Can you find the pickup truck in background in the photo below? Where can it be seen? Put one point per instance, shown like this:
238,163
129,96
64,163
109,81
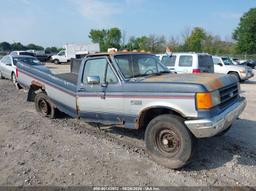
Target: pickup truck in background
70,51
224,65
135,91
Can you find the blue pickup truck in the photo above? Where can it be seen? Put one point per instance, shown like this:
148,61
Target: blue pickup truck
135,91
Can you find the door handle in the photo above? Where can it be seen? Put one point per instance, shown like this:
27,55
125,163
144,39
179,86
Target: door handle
81,90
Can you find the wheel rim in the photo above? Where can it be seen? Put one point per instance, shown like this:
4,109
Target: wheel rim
168,141
43,106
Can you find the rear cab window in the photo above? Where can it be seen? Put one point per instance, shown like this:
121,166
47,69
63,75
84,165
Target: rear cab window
186,61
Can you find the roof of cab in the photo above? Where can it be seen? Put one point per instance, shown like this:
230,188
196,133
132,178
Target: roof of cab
117,53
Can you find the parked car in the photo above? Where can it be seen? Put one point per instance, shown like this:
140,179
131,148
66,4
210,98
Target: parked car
250,63
70,51
135,91
224,65
235,61
8,66
19,53
188,62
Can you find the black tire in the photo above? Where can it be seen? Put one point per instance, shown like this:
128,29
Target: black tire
56,61
13,78
236,75
1,75
223,132
169,142
44,105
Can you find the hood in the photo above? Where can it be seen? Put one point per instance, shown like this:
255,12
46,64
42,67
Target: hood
210,81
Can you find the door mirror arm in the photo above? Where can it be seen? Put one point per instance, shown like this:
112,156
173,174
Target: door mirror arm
104,85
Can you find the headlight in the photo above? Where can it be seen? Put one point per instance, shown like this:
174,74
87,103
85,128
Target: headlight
242,71
207,100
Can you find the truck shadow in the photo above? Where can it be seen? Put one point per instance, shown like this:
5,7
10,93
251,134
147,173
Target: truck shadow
210,153
249,82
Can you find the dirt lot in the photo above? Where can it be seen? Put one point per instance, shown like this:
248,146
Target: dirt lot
65,151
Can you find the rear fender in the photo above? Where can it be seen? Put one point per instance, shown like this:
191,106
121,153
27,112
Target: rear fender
35,88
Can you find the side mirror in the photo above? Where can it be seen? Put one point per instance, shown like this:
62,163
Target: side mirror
93,80
220,64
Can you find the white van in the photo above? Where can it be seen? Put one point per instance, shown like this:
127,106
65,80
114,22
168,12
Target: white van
188,62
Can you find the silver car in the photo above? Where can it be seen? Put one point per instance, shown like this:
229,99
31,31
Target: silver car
8,67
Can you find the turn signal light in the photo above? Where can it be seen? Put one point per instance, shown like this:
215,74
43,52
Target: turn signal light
204,101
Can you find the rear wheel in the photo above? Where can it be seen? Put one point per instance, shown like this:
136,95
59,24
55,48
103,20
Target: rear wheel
168,141
13,78
56,61
44,105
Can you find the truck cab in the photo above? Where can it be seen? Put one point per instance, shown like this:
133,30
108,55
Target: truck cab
60,57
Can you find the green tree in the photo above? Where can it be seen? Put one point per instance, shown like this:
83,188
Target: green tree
139,43
245,33
34,47
106,38
195,40
18,46
49,50
157,44
5,46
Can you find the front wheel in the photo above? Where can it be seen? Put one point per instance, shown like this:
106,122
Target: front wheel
44,105
236,75
168,141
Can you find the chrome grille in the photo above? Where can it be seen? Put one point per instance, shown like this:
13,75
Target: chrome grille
228,94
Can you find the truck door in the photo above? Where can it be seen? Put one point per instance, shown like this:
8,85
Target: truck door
98,96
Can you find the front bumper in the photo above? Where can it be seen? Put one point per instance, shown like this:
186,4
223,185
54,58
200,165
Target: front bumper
246,76
209,127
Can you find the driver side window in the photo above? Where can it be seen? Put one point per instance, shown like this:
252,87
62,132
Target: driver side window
99,67
96,67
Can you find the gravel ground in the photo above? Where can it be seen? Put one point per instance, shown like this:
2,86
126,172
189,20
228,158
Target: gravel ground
65,151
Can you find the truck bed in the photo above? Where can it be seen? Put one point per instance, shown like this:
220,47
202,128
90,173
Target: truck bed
69,77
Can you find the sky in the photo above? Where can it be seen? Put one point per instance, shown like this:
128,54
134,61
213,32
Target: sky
56,22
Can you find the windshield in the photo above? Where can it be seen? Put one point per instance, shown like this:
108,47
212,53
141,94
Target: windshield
227,61
27,60
138,65
169,60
